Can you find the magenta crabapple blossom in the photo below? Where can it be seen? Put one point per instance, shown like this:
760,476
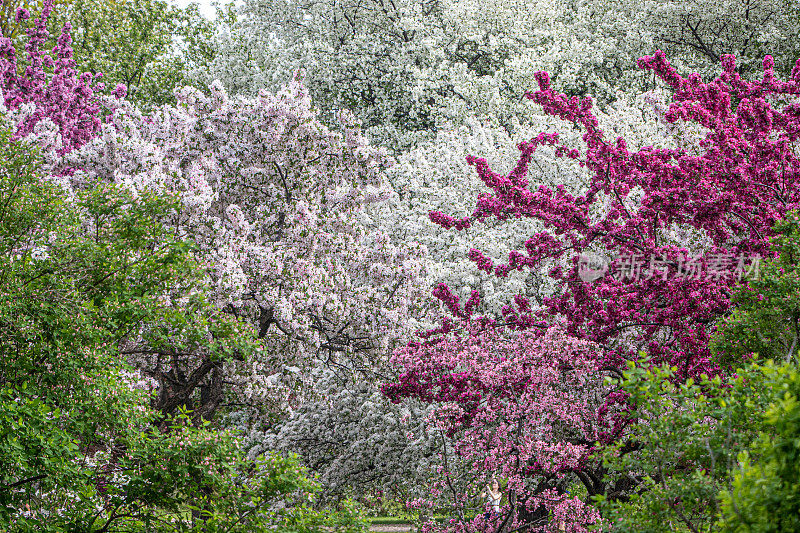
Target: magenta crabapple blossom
435,176
731,188
50,88
728,190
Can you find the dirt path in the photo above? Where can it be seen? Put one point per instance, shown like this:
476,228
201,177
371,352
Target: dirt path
393,528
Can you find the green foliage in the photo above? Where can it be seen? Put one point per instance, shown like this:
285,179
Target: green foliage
683,444
67,293
380,504
148,45
197,478
765,493
766,320
722,453
682,454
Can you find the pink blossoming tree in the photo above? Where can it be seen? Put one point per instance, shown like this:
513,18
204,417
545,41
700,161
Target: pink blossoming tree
49,94
728,190
520,407
658,294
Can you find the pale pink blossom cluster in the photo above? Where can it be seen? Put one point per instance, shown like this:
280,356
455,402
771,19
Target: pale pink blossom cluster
518,406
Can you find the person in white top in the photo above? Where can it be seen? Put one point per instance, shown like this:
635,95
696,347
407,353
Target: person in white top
493,495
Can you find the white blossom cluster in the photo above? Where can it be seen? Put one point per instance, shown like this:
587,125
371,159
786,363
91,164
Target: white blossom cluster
355,438
411,67
274,201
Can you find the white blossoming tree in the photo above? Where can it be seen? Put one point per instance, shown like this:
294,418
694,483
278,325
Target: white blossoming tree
355,439
411,67
695,33
274,202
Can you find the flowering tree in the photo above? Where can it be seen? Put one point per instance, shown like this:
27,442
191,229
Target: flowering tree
520,407
79,449
273,199
49,96
411,67
356,55
275,202
699,32
91,276
435,176
355,439
11,25
650,209
725,196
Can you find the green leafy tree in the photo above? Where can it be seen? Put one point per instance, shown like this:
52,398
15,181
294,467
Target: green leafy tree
766,320
721,454
684,440
765,493
147,45
709,456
